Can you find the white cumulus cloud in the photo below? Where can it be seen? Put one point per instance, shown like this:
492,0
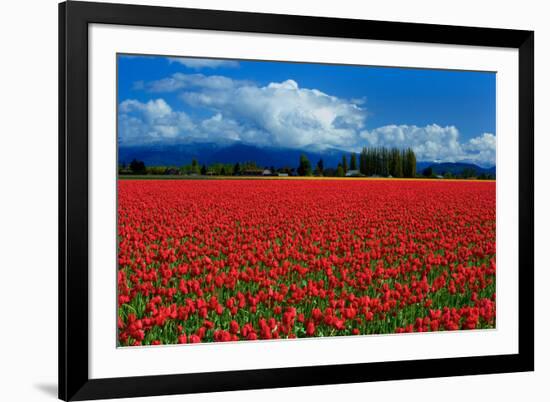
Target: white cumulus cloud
154,121
434,143
283,114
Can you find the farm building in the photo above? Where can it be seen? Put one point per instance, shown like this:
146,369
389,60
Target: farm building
172,171
353,173
252,172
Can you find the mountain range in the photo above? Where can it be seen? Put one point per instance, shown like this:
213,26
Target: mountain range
209,153
455,168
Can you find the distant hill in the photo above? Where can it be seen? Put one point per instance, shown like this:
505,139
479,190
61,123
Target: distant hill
455,168
208,153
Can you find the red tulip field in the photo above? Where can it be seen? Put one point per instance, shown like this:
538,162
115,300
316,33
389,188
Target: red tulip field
232,260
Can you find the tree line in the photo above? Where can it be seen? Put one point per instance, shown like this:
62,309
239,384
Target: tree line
371,162
137,167
378,161
385,162
466,173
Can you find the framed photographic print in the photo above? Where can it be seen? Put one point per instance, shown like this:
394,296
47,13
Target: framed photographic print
257,200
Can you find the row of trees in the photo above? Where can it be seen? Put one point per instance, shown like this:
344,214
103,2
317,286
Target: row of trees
466,173
381,161
138,167
378,161
305,168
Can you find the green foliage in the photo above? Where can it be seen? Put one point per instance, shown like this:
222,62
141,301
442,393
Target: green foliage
320,167
304,168
409,163
396,163
373,161
156,170
195,168
137,167
249,165
289,171
344,163
381,161
353,161
220,169
469,173
486,176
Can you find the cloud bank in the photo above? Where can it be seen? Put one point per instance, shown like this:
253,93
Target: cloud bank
435,143
282,114
180,81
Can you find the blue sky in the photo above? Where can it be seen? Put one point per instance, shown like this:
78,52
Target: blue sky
443,115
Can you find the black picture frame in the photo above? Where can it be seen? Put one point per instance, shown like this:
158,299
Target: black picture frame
74,18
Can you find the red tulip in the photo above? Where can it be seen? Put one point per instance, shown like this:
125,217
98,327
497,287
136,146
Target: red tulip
303,258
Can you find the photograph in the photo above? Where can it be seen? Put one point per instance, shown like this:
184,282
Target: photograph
269,200
275,201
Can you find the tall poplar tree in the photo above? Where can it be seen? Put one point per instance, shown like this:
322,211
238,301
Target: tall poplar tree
353,161
344,163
